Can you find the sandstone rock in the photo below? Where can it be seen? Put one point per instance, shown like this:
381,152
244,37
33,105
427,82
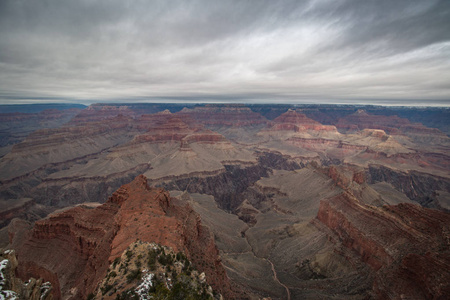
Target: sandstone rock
294,121
225,115
74,248
406,245
13,288
390,124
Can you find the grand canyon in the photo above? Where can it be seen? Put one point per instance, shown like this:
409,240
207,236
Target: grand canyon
233,201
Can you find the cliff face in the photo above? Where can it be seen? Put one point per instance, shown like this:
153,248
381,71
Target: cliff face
14,288
407,246
46,147
226,115
417,186
294,121
176,129
390,124
16,126
77,246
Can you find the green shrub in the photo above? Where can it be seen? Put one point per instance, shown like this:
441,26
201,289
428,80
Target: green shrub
138,263
106,288
116,261
151,260
165,259
129,254
134,274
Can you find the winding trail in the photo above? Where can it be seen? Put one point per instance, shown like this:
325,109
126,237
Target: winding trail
271,264
277,280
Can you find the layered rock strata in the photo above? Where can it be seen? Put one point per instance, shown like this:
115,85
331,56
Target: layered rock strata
406,246
76,247
12,288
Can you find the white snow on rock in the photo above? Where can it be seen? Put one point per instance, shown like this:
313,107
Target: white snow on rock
146,284
5,294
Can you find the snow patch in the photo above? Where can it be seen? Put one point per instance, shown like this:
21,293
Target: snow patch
146,284
5,294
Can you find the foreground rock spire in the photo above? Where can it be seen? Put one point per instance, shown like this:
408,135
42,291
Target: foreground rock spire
73,249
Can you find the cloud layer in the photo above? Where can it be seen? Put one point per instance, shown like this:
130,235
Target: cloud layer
389,51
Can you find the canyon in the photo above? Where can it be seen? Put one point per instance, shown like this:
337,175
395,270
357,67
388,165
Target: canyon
286,202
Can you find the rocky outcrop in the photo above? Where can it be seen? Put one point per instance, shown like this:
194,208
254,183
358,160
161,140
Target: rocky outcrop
50,137
175,129
293,117
294,121
14,288
224,115
278,161
407,246
148,270
101,111
325,144
26,209
6,215
79,244
417,186
49,146
15,127
225,186
390,124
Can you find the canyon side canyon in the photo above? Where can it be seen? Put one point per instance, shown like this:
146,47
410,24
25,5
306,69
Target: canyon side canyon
225,202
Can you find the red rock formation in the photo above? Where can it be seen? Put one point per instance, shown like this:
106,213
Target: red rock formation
294,121
359,177
293,117
390,124
176,129
224,115
78,245
407,246
321,144
45,138
148,122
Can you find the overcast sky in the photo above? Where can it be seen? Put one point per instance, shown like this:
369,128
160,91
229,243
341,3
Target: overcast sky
318,51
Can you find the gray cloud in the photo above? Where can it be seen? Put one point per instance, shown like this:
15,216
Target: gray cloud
226,51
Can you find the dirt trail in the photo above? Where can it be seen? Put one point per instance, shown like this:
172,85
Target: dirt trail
277,280
273,268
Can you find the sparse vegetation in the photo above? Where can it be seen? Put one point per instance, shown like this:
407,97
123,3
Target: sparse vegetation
128,254
138,264
165,259
134,275
171,275
111,274
152,255
106,288
116,261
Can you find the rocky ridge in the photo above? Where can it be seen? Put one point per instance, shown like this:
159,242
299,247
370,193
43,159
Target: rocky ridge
148,270
394,241
76,247
12,288
16,126
390,124
224,115
275,185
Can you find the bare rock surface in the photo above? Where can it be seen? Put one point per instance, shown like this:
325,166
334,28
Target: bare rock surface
75,247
